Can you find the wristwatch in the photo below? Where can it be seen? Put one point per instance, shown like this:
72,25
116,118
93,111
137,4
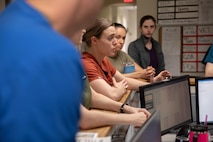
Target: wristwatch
122,108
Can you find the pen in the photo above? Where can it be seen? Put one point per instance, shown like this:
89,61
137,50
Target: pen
205,123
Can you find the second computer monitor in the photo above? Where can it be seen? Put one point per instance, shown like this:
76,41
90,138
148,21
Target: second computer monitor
150,130
204,94
172,99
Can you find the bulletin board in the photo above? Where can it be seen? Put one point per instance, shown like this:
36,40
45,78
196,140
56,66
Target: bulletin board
193,24
195,42
184,47
178,12
184,12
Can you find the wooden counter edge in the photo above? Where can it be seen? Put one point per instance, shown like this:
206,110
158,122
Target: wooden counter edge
105,130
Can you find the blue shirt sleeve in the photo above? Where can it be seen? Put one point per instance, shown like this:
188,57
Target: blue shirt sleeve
209,55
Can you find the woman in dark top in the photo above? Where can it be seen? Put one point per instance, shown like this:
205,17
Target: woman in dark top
145,50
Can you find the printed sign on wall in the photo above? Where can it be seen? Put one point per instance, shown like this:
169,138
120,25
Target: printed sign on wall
195,42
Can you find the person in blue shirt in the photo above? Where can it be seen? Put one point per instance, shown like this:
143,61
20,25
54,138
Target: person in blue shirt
40,69
208,61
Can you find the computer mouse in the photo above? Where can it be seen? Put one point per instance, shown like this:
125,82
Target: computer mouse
183,134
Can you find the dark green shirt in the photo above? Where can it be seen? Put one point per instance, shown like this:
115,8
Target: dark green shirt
86,93
119,60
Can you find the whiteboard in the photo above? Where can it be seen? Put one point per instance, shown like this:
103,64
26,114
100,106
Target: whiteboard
171,45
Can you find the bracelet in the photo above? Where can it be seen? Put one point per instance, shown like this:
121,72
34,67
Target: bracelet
122,108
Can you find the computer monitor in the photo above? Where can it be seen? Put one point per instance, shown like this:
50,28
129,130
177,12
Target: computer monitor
204,97
150,131
172,99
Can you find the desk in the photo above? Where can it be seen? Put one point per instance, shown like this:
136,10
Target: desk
172,137
106,130
168,138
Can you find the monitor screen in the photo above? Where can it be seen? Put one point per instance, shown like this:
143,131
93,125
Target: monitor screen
204,90
150,130
172,99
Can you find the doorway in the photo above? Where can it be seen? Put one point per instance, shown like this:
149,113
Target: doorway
127,15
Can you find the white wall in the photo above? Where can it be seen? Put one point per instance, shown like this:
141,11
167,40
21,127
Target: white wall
128,17
106,13
125,14
147,7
